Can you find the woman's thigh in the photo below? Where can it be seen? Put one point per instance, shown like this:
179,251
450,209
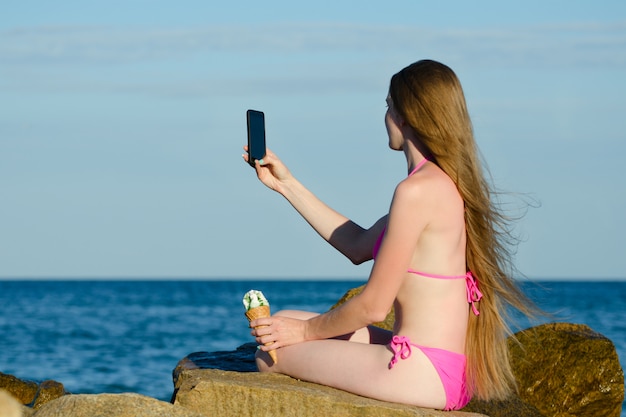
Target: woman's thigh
362,369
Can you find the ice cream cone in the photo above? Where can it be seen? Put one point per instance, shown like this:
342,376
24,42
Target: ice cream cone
256,313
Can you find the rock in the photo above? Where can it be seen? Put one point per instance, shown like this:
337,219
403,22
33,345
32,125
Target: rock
562,370
224,393
30,393
568,370
513,406
23,391
48,391
9,405
112,405
240,360
195,369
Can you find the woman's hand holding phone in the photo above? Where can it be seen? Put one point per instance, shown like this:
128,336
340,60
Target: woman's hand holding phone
272,172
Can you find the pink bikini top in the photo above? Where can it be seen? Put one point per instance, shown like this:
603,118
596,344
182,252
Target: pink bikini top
473,293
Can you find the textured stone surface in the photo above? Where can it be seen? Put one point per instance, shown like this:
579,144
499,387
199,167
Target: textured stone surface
568,370
225,394
513,406
31,393
243,357
112,405
562,370
48,391
23,391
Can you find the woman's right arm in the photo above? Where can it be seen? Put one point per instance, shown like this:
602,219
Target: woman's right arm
347,237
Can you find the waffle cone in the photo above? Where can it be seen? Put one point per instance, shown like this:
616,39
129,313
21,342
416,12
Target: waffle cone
257,313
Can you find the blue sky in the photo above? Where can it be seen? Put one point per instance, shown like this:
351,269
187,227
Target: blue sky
122,122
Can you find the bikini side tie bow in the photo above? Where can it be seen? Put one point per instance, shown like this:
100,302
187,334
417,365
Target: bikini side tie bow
473,293
401,347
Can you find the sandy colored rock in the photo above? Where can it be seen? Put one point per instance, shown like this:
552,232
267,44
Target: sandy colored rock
112,405
243,361
225,394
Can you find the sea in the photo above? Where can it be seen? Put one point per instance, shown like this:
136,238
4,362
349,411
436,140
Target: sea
114,336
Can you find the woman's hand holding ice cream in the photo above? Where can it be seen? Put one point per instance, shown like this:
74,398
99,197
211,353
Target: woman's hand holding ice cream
277,331
257,306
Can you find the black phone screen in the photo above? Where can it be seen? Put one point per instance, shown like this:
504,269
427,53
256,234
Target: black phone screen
256,135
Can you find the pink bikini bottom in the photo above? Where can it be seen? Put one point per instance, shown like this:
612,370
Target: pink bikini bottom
449,365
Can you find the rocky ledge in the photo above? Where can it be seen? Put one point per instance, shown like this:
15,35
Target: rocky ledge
562,370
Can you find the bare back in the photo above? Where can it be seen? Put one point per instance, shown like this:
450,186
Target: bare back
431,311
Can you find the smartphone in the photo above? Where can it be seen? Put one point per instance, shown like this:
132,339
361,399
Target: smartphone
256,135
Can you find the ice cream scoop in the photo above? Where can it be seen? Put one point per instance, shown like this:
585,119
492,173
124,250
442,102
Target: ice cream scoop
253,299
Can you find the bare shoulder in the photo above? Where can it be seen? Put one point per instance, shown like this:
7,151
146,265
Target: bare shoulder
429,186
429,201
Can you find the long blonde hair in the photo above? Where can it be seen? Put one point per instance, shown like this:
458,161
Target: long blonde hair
429,97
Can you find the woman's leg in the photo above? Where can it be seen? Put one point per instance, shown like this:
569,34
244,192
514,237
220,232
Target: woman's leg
359,367
362,369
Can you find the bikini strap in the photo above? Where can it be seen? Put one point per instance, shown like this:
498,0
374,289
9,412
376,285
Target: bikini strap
418,166
471,283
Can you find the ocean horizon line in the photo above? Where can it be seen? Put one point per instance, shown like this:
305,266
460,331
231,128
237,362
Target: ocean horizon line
269,278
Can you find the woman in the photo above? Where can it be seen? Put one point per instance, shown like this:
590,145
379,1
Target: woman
440,237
